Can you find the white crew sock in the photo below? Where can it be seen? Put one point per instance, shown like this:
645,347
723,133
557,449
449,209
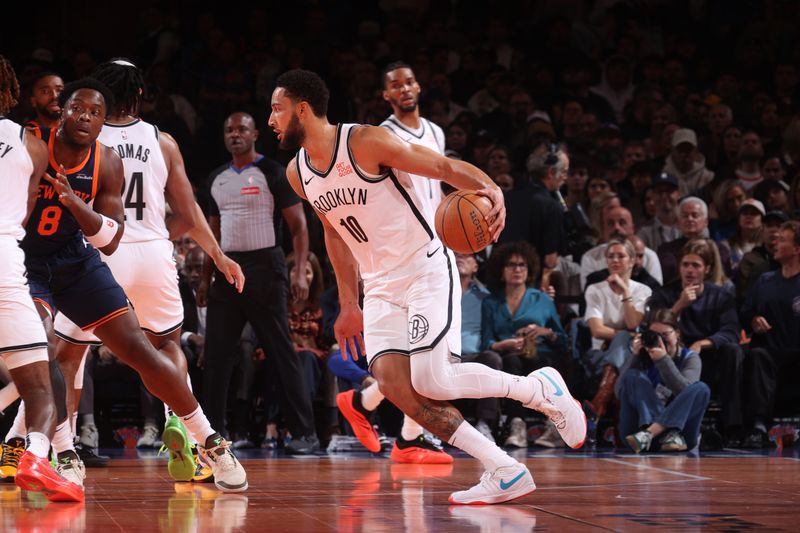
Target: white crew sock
38,444
62,439
470,440
18,428
8,395
411,430
371,397
198,425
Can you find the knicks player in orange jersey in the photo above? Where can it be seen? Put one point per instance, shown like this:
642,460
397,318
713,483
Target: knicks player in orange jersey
357,179
66,274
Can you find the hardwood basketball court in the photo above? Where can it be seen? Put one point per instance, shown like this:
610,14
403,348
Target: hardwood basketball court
357,492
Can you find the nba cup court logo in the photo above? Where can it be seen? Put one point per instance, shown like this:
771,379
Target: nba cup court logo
417,328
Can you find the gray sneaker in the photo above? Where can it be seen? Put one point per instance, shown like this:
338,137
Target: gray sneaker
484,429
673,441
518,434
640,441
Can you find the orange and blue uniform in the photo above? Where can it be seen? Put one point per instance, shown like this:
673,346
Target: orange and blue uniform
65,272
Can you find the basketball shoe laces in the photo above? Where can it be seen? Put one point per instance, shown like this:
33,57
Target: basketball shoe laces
11,455
221,455
551,411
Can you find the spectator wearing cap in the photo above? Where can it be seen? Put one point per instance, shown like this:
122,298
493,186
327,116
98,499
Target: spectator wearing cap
761,258
748,162
772,313
774,194
686,163
608,144
664,227
748,230
692,223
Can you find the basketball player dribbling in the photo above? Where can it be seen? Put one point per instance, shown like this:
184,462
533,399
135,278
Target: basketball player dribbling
67,275
357,180
401,90
23,342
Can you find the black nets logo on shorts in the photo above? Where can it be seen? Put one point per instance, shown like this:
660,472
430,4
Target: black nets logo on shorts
417,328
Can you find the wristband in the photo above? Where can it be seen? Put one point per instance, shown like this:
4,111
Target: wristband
106,233
628,299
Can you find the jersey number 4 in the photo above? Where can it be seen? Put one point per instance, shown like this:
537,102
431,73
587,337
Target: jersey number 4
134,198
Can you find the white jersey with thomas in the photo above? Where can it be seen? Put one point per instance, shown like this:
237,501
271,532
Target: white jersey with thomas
430,136
378,216
145,178
16,168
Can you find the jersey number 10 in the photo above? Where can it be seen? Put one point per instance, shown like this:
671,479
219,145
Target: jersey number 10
134,198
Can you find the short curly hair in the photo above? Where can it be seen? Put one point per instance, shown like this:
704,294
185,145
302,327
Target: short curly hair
501,255
86,83
306,86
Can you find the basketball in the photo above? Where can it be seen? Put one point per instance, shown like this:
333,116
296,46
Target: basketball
461,222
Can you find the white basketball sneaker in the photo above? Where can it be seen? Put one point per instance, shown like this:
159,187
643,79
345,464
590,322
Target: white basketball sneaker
559,406
229,475
502,485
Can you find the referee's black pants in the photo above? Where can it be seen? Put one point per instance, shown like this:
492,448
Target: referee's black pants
264,304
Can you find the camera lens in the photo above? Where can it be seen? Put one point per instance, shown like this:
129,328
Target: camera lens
650,339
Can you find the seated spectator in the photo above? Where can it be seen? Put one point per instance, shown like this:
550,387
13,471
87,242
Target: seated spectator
772,313
639,179
601,199
709,324
473,293
305,330
774,195
726,201
761,258
617,221
660,395
520,323
614,308
686,163
693,223
639,273
664,227
748,231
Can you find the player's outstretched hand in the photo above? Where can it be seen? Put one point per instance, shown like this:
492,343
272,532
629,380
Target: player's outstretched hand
232,272
64,190
497,215
347,329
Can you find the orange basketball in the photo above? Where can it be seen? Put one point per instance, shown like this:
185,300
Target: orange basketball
461,221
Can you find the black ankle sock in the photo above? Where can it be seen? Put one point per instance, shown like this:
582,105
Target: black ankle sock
214,440
359,406
67,456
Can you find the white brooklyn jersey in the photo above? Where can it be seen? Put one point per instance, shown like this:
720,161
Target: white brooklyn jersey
430,136
16,168
145,178
379,217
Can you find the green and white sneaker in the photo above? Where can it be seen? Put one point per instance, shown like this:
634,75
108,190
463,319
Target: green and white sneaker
181,463
229,474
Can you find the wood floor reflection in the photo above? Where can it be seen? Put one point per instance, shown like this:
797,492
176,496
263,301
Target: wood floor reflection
357,493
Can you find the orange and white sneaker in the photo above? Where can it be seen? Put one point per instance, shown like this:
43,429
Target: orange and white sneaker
36,474
363,430
564,411
504,484
419,451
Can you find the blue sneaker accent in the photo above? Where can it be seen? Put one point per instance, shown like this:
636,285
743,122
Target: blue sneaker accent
559,392
506,486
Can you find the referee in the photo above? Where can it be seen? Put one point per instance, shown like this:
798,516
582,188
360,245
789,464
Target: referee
245,197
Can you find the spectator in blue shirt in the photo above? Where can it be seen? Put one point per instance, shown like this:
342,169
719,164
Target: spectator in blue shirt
520,323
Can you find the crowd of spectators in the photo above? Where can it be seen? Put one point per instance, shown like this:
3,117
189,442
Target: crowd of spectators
650,157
